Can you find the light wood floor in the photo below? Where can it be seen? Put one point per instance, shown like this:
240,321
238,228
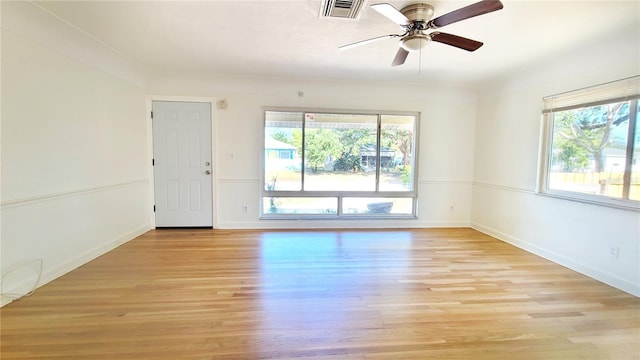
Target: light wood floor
392,294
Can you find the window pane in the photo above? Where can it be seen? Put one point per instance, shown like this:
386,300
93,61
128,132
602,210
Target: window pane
372,206
634,189
396,157
282,147
300,205
336,147
589,149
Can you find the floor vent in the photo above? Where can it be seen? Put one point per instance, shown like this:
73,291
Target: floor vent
344,9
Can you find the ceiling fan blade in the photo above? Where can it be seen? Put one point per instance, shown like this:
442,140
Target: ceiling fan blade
400,58
367,41
466,12
455,40
391,13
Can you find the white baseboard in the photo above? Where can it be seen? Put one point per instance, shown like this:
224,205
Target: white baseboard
584,269
339,224
73,263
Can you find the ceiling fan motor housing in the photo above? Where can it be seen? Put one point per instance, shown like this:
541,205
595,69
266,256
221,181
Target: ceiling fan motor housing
418,12
419,15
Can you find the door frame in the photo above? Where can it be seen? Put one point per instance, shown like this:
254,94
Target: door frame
214,164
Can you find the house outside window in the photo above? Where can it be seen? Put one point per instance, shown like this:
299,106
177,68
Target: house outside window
339,164
591,145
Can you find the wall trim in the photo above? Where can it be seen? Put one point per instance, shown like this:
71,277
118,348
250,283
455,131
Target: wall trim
75,262
503,187
577,266
70,193
445,181
238,181
283,224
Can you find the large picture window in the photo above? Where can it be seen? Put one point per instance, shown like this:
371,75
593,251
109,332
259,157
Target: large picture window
339,164
591,146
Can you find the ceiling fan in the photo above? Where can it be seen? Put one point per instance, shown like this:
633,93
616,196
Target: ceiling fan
416,20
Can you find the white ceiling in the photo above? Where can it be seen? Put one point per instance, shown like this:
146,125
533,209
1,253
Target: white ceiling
278,38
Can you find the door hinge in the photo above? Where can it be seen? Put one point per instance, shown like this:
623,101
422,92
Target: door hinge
154,208
153,162
152,114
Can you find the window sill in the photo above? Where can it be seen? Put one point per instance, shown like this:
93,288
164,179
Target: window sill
609,202
336,217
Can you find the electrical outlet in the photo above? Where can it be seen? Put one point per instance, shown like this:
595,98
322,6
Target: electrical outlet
614,252
451,208
245,209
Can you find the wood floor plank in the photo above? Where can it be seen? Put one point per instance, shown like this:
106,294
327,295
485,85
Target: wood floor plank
321,295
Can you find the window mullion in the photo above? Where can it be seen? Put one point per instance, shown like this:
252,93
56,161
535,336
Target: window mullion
302,150
626,183
378,151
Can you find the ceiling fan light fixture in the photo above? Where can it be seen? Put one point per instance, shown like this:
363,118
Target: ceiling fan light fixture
415,42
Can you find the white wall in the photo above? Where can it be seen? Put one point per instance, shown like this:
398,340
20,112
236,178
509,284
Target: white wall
73,148
445,153
573,234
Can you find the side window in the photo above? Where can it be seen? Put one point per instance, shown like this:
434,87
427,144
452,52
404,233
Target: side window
591,144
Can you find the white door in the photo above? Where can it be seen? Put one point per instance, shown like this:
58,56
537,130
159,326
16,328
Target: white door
182,164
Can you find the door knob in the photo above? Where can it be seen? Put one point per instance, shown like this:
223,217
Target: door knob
208,172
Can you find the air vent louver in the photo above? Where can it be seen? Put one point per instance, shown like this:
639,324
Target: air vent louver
345,9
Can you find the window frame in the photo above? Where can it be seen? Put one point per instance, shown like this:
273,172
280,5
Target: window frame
624,90
340,195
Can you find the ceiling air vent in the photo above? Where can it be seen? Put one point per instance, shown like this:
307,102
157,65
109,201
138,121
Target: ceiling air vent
344,9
